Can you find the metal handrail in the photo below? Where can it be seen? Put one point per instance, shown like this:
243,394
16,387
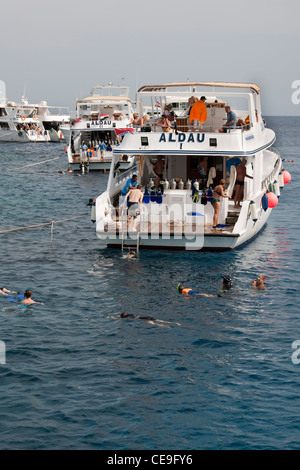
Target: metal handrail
271,176
156,127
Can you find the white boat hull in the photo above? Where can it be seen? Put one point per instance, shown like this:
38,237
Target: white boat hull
212,241
21,136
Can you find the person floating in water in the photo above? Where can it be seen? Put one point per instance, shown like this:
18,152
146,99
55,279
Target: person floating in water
148,319
130,254
28,300
227,283
259,282
187,291
5,291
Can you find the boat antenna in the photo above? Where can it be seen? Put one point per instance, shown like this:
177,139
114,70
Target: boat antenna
24,93
136,80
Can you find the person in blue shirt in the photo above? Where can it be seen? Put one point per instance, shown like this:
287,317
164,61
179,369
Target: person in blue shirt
102,147
231,120
131,183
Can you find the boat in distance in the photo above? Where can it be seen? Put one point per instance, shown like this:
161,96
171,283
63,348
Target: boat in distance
101,119
176,212
28,122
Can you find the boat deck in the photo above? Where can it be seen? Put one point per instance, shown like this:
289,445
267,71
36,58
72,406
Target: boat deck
171,228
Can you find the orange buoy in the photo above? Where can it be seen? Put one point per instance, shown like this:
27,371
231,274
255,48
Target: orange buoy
286,176
272,200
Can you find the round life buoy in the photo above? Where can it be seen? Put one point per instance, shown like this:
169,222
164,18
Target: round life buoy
34,117
23,118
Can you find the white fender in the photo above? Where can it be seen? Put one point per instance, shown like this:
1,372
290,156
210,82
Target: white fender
280,180
93,212
253,211
276,188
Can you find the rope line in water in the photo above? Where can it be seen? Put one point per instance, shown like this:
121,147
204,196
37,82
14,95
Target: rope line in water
32,164
41,225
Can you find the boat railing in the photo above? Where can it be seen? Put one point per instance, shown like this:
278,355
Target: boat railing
180,127
270,178
121,178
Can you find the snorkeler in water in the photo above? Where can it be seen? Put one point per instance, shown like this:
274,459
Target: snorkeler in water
130,254
5,291
187,291
259,282
28,300
148,319
226,286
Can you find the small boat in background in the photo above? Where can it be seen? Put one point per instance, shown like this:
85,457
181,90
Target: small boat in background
101,120
26,122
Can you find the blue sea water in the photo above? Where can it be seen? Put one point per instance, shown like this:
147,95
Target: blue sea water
78,377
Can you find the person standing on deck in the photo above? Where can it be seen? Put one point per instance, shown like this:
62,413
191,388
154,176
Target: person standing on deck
198,114
239,183
216,200
131,183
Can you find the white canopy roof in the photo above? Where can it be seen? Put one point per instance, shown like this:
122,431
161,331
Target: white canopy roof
251,86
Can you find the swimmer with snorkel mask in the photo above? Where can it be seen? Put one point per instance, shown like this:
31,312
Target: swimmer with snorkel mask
226,286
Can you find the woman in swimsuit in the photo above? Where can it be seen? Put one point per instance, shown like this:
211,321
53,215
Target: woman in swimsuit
216,199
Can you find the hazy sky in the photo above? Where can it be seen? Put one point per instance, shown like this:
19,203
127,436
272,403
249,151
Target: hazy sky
60,49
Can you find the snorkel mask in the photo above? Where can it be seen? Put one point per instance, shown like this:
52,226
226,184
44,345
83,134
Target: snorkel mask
228,280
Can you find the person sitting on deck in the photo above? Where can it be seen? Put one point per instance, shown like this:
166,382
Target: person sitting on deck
231,120
165,123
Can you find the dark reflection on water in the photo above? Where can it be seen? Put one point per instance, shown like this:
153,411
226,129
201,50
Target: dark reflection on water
77,376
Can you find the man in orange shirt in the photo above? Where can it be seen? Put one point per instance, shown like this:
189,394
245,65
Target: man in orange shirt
198,114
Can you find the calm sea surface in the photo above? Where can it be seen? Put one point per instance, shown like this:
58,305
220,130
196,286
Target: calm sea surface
77,378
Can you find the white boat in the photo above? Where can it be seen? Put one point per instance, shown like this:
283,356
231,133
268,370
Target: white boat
53,119
101,118
178,220
26,122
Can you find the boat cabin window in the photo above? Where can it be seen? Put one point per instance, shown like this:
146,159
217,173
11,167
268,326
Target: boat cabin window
205,169
4,125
